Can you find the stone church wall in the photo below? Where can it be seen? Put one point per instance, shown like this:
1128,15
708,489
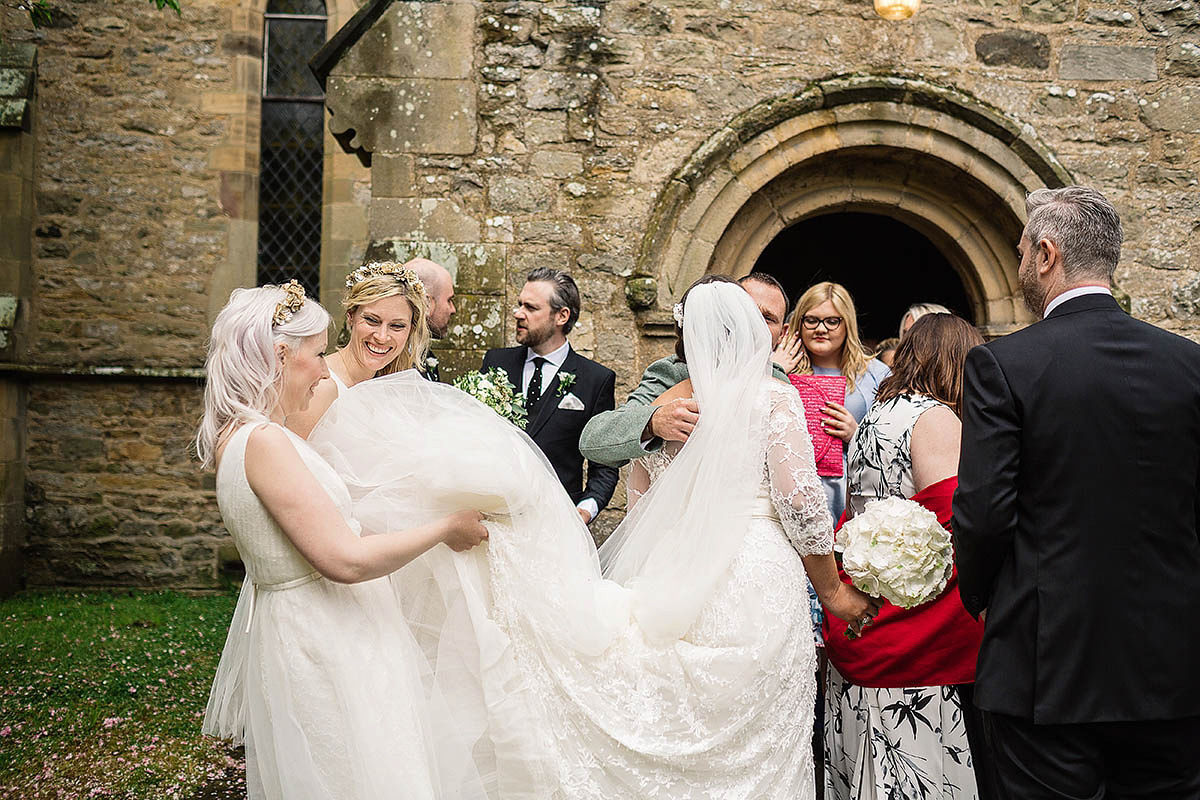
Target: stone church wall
136,197
503,136
583,112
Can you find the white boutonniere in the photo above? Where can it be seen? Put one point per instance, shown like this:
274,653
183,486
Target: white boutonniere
431,362
565,381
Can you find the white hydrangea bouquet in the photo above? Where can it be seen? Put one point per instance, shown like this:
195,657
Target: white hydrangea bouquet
493,390
896,549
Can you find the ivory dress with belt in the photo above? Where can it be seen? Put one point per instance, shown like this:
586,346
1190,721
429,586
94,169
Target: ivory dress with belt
322,680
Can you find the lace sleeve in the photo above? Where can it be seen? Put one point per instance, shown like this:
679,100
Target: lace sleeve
637,484
794,486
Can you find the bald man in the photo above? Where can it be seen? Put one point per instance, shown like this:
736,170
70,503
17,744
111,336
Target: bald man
439,288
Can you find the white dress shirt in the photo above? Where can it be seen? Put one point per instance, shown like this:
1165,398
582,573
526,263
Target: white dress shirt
554,362
1071,294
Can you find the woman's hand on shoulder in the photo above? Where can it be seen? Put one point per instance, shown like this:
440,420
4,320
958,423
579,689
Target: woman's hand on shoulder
464,530
789,352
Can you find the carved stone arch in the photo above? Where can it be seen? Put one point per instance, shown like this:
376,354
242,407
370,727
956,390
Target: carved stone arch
945,164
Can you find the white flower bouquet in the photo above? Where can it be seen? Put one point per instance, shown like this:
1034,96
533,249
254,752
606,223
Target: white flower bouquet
493,390
896,549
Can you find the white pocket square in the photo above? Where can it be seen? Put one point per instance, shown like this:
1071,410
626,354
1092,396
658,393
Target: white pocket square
571,403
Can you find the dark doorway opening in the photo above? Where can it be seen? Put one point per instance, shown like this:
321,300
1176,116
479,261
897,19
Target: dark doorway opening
884,264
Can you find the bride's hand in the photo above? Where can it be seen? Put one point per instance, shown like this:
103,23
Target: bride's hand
853,606
464,530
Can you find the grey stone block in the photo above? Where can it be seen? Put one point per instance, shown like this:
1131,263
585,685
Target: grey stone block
551,232
1170,17
1114,17
1048,10
546,90
1182,58
556,163
1107,63
415,40
1175,108
393,176
21,55
477,324
507,55
404,115
520,195
1014,48
428,219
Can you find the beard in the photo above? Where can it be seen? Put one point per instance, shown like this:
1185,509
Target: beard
532,337
1031,291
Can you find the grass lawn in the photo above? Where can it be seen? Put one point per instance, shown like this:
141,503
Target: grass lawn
102,695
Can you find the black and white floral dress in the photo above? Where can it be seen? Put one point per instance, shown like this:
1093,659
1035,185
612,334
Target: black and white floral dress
899,743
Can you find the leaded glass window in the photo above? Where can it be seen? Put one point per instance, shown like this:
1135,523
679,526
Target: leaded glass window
292,156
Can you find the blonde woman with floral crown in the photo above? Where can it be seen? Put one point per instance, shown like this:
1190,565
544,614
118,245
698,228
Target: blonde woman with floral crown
385,332
320,675
828,326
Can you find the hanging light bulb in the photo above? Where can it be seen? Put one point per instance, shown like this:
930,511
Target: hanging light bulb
896,9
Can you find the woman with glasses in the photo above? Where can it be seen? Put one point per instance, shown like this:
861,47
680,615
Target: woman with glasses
828,327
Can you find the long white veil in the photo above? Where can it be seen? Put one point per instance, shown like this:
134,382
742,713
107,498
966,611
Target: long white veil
560,674
678,540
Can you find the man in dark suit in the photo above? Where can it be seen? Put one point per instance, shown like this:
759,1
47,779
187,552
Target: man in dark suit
1075,526
562,389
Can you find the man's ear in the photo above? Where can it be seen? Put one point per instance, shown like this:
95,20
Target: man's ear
1048,255
561,316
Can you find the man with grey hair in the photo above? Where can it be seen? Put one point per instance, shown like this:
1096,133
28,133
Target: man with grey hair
563,390
439,289
1075,526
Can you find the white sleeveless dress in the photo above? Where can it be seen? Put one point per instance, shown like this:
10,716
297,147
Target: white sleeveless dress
323,680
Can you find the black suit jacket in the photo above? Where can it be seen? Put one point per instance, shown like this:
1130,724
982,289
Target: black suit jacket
556,430
1076,517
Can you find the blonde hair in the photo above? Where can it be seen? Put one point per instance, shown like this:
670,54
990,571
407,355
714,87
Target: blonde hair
855,358
379,287
918,310
242,370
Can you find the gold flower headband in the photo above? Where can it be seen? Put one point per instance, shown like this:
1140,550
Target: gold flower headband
377,269
293,301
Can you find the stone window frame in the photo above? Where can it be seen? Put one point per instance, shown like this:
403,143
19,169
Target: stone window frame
235,161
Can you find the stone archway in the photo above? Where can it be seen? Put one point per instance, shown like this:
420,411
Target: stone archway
933,158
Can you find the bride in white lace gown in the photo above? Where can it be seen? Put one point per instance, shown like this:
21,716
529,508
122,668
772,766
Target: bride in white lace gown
687,670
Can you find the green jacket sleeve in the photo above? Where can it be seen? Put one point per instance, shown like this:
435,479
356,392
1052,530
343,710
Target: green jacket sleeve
615,437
